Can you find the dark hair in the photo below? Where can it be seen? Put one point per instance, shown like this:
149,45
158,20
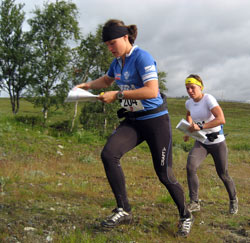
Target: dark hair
132,29
197,77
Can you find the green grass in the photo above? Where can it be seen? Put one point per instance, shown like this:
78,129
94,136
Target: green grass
55,183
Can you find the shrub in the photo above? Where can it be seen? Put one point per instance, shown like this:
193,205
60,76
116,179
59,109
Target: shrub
99,117
29,120
60,128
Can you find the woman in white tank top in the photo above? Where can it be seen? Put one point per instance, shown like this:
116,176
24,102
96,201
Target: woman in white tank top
205,114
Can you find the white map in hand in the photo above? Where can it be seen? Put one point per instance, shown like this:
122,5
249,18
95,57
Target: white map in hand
77,94
183,126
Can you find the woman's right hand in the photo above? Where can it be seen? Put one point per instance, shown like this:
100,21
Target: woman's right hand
85,86
186,138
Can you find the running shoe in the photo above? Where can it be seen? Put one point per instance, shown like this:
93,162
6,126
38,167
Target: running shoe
184,226
118,216
194,206
233,206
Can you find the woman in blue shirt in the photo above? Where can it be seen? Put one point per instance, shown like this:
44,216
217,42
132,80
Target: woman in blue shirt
146,119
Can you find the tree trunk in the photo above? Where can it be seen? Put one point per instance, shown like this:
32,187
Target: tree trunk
105,119
17,103
45,114
74,117
13,103
85,76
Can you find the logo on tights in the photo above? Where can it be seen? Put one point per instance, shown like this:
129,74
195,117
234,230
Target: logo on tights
163,156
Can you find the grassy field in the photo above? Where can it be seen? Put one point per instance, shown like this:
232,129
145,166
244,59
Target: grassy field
53,187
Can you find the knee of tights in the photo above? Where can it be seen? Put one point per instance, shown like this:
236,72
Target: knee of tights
109,158
191,169
224,177
191,172
167,179
105,156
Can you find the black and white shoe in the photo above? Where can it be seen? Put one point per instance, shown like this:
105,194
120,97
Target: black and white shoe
185,225
233,206
194,206
118,217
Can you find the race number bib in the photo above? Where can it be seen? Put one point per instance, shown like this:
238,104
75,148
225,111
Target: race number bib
132,105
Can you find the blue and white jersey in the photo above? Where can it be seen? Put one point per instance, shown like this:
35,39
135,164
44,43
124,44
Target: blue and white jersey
139,68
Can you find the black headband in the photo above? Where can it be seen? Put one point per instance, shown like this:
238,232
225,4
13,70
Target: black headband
113,32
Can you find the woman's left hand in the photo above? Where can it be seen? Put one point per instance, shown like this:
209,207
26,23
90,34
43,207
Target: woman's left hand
194,127
108,97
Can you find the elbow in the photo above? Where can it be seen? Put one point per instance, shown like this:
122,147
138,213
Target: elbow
151,89
223,121
154,94
151,95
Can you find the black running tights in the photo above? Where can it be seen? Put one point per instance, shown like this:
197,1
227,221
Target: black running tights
157,133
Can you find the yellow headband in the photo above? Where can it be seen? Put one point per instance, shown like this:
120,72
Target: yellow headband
194,81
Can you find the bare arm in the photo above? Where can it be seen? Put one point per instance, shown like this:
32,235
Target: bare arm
150,90
190,120
219,119
100,83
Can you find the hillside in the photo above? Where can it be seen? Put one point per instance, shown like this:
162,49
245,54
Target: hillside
53,187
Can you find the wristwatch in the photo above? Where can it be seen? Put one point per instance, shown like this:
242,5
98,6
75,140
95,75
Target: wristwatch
120,95
200,125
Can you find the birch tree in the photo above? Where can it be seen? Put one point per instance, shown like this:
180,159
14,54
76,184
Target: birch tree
53,28
15,56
